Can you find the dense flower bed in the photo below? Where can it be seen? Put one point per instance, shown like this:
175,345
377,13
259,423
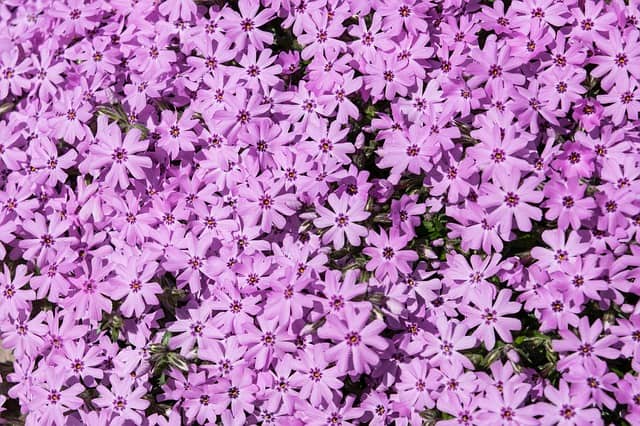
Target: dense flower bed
320,212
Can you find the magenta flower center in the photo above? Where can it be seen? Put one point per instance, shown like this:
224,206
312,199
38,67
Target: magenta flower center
119,155
495,71
578,280
268,339
511,199
507,413
337,302
537,13
54,396
567,411
353,338
266,202
498,155
490,316
195,262
561,255
387,253
196,329
586,24
567,201
315,374
247,25
621,60
119,403
585,349
22,328
342,220
135,285
77,365
47,240
413,150
234,393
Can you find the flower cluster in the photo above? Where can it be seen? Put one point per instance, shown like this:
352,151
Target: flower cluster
311,212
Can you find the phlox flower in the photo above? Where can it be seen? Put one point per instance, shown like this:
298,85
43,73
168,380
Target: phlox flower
121,155
123,399
357,340
489,317
568,407
388,256
52,400
588,347
342,220
266,342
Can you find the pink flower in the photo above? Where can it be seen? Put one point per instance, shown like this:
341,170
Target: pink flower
12,73
357,340
387,255
260,71
133,283
72,115
15,298
120,155
387,76
176,134
623,101
593,379
46,239
494,62
194,327
567,407
266,342
339,292
562,251
52,400
513,200
489,316
406,213
589,347
463,276
244,26
566,203
621,55
444,346
266,204
628,333
75,17
507,406
316,379
414,151
407,14
342,220
191,261
321,33
123,400
417,382
90,290
581,279
23,336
